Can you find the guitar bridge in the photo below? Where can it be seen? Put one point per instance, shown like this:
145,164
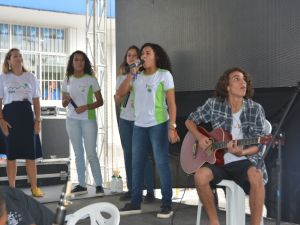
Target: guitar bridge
195,149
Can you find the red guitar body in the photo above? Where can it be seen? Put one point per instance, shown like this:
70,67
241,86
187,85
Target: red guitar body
193,157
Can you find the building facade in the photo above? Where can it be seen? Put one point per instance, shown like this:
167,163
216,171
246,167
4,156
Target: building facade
45,39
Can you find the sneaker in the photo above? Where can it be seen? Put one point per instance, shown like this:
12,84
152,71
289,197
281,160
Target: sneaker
37,192
126,196
79,190
165,212
130,209
149,198
99,191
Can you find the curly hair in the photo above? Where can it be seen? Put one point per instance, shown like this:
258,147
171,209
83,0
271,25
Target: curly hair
223,82
124,67
5,67
162,59
87,65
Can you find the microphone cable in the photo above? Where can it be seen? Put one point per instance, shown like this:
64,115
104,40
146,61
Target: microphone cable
177,208
125,101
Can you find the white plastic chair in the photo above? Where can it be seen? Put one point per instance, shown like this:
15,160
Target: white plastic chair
94,211
235,197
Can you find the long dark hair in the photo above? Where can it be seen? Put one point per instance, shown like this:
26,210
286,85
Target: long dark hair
87,64
162,59
221,86
124,67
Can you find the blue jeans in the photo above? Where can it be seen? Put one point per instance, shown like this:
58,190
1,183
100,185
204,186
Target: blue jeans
158,136
126,131
83,136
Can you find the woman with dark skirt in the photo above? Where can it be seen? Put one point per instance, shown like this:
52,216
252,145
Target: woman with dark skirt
20,125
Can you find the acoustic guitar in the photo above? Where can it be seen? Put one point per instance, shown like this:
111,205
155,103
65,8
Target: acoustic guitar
193,157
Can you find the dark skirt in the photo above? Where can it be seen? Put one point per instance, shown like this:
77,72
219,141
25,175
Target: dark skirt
21,143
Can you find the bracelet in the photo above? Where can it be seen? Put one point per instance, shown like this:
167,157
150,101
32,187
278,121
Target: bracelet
38,120
172,127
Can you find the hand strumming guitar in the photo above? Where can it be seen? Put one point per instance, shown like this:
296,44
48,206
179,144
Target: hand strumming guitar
203,141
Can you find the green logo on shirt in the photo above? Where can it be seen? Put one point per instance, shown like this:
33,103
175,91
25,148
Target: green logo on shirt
148,87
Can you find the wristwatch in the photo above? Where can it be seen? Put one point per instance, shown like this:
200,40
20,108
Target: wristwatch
172,125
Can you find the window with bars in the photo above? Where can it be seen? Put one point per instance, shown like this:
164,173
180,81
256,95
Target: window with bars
52,40
4,37
53,70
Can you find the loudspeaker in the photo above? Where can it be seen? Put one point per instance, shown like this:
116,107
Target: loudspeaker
54,138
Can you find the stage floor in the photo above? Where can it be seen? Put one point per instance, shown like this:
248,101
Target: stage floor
185,214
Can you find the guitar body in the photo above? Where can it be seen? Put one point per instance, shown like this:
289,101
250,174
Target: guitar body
193,157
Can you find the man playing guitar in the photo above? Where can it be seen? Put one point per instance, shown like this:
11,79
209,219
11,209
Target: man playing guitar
232,110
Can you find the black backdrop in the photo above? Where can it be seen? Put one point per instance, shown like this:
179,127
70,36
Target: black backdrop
274,101
205,37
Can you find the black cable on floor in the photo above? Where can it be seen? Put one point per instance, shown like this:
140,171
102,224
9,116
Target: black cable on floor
177,208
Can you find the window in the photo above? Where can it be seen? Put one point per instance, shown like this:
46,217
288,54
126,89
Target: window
32,39
53,70
18,32
4,35
53,40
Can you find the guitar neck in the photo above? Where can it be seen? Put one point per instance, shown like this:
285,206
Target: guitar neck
248,141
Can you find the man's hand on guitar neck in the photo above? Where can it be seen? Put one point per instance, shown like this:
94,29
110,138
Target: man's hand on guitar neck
233,148
240,150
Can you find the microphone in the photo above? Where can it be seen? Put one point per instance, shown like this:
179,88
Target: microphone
73,103
136,64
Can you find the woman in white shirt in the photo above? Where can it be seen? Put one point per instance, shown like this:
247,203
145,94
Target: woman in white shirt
154,125
126,122
19,124
81,95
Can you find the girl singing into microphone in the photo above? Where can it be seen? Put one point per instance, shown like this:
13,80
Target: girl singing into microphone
126,122
154,126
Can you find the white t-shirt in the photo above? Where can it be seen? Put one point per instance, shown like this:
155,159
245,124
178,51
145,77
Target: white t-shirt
236,133
150,97
18,88
127,105
81,90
